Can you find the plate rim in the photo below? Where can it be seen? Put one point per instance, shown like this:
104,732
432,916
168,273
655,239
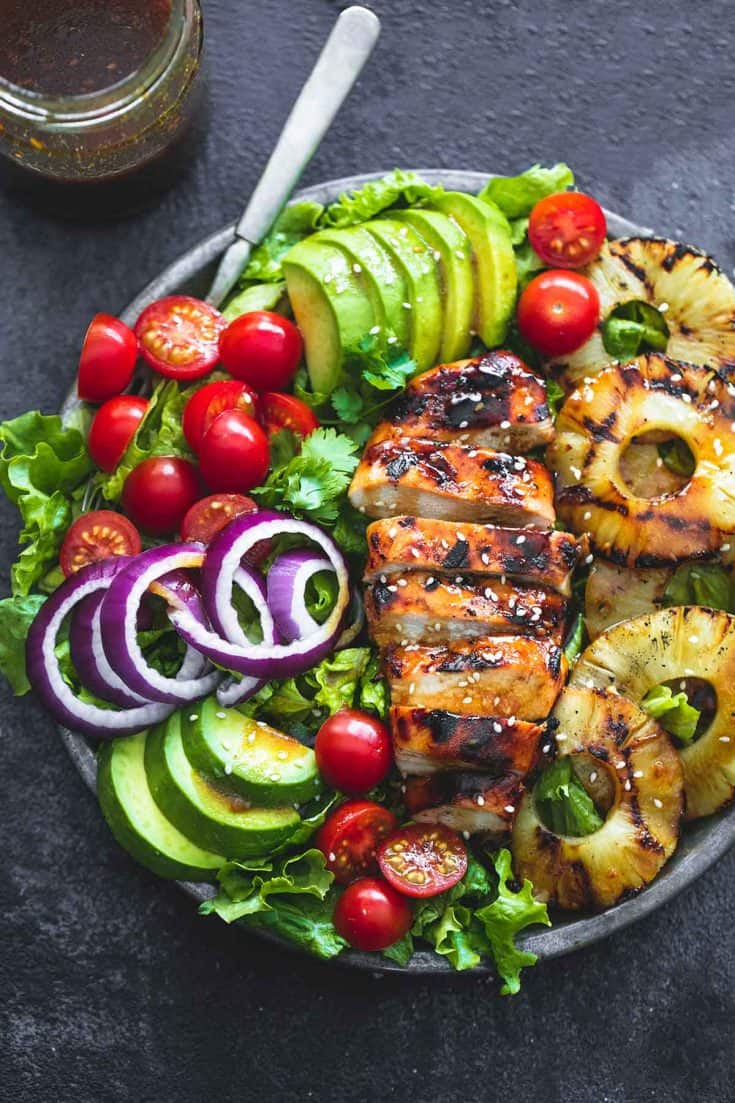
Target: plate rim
683,869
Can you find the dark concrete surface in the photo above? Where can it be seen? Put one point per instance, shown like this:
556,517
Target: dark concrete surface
111,988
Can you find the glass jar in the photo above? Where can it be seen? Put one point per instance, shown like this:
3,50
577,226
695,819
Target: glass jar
112,149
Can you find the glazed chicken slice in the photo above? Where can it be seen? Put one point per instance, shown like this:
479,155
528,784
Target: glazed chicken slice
504,676
465,802
538,558
428,740
418,607
452,482
493,401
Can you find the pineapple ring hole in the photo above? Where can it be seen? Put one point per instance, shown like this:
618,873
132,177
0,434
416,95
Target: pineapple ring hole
702,696
598,781
656,464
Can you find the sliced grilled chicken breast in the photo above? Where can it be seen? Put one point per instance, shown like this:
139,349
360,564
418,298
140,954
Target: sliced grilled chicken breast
452,482
505,676
428,740
492,401
465,802
421,608
543,558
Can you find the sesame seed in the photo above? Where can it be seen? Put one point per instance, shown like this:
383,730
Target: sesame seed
402,582
588,559
463,683
430,581
510,808
657,802
676,377
586,515
560,737
505,425
724,739
546,748
357,269
194,716
221,715
593,776
620,765
332,856
627,786
384,579
251,737
412,687
459,254
694,639
465,835
638,773
415,553
466,700
485,558
521,540
717,446
283,755
375,330
479,799
461,536
463,424
663,307
725,548
275,776
497,727
406,306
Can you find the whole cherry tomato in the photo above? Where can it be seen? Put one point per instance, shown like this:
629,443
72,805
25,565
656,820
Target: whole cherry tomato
350,838
558,311
353,751
178,336
233,454
423,859
158,493
211,400
371,915
113,427
108,358
97,535
263,349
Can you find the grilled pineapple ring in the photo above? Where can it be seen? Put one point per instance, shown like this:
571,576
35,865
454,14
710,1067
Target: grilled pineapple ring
671,644
642,825
598,422
700,303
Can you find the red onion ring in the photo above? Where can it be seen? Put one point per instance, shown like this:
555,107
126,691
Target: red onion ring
43,666
119,614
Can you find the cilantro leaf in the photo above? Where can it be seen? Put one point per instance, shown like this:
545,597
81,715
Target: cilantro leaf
315,481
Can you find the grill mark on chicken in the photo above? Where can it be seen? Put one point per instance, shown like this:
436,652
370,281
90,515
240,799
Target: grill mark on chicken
533,556
465,801
460,608
494,400
426,740
451,480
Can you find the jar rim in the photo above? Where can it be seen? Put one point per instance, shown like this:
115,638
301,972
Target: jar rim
86,107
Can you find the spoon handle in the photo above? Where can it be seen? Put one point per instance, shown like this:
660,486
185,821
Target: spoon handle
340,63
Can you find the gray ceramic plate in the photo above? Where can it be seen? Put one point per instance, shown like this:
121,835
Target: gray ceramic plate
702,844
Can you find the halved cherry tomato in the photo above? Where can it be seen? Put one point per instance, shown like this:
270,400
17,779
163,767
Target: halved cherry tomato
423,859
159,492
262,348
234,453
567,230
283,411
113,428
371,915
211,400
210,515
350,838
179,336
97,535
353,751
108,358
558,311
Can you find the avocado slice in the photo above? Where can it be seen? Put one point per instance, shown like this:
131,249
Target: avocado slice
453,252
136,821
207,812
415,261
261,296
258,763
386,286
495,270
331,305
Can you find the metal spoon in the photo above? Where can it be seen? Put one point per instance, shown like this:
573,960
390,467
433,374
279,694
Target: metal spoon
338,67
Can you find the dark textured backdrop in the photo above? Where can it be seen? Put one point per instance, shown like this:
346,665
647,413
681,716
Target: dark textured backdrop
111,988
